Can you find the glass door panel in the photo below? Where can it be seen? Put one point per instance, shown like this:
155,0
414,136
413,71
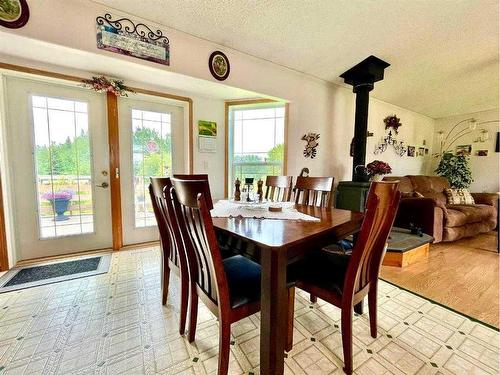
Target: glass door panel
152,156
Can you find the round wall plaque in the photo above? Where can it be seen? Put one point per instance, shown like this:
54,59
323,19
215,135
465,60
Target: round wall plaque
14,13
218,64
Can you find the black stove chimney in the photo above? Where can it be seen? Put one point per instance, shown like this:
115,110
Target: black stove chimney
362,77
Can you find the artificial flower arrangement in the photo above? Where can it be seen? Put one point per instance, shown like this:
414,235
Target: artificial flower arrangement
104,84
61,194
376,169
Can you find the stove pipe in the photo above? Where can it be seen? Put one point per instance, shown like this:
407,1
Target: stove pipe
362,77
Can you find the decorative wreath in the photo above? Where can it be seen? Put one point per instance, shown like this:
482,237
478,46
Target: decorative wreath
392,122
104,84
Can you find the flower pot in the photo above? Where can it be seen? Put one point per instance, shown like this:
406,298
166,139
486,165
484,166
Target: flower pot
377,177
60,206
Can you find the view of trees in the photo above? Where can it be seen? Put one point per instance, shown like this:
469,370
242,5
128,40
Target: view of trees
69,158
271,164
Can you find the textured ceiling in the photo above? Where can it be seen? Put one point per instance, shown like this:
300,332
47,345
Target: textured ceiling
443,54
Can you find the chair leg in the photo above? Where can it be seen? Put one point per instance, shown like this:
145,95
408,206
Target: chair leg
193,314
313,298
224,342
358,309
165,283
372,310
289,328
184,303
346,322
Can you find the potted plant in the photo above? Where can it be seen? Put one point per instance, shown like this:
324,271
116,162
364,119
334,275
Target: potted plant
456,169
377,169
60,202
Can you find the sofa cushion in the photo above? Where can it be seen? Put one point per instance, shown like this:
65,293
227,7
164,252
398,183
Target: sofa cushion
439,198
458,196
459,215
425,184
405,186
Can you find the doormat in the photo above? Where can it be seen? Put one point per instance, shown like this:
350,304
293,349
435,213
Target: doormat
53,272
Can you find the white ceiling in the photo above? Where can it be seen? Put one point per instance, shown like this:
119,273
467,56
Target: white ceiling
443,54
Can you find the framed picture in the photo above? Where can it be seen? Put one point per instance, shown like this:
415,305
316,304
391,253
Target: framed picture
411,151
207,128
482,153
14,13
218,63
421,151
464,150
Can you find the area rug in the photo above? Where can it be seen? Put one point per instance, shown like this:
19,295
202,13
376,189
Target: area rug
53,272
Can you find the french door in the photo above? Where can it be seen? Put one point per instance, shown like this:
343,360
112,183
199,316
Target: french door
57,150
152,143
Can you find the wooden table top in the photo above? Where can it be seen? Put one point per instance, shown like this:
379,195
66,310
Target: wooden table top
283,234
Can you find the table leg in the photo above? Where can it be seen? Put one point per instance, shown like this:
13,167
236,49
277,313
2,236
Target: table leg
273,312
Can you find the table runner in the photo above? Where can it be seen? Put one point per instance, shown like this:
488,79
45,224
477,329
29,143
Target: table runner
225,208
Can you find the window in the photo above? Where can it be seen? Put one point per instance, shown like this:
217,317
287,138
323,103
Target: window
63,166
152,153
256,142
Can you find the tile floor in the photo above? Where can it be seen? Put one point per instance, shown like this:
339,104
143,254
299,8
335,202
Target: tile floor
114,324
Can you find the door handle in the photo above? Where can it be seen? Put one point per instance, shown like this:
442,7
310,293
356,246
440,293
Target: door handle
104,185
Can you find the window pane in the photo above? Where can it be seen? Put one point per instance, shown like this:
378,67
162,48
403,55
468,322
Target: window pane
152,157
258,143
62,164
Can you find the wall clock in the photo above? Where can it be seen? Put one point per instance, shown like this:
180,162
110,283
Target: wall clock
218,64
14,13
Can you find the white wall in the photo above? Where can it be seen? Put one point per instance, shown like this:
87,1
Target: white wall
315,105
485,169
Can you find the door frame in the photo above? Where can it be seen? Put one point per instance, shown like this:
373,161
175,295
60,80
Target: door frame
114,152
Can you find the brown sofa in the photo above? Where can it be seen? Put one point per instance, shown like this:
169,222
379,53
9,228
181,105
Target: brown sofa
442,221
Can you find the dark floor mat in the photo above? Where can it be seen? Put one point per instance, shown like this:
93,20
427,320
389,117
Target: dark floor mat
50,271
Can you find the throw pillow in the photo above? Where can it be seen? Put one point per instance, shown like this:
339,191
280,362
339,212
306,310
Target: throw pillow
458,196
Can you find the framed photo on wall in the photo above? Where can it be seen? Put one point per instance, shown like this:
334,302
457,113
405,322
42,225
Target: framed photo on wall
464,150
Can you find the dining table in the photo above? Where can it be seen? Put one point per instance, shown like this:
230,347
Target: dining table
282,242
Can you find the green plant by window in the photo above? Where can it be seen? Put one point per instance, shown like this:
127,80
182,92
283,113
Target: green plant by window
456,169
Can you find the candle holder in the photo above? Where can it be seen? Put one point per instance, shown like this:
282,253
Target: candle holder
249,186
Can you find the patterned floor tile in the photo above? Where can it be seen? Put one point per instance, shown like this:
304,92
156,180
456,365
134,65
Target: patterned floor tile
114,324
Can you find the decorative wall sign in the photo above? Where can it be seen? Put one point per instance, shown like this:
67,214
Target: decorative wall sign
207,128
218,63
311,139
392,122
127,38
14,13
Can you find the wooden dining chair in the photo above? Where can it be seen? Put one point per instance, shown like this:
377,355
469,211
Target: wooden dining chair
344,282
279,188
314,191
230,288
173,255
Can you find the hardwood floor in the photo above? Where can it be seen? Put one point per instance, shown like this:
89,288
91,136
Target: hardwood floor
462,275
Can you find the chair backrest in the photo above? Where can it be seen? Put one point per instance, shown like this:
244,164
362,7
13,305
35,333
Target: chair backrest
165,217
368,252
204,258
279,188
314,191
198,177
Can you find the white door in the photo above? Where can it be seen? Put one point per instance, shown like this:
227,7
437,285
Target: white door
152,136
57,147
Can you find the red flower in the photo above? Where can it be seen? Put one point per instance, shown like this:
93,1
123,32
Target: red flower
378,167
